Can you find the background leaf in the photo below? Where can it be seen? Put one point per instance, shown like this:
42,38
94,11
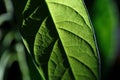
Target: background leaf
105,21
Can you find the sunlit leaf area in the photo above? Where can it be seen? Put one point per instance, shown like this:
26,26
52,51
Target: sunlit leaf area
59,40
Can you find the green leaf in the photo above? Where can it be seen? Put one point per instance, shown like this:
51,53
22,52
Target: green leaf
76,37
59,36
58,65
105,23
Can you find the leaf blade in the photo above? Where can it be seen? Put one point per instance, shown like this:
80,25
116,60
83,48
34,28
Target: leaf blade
59,17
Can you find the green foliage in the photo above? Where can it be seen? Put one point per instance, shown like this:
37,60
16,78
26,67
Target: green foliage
105,23
59,36
12,51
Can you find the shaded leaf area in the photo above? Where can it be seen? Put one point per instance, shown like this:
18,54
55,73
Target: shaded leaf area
58,65
32,21
44,41
60,38
18,10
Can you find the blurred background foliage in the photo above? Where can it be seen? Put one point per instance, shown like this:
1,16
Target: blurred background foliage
105,17
17,64
15,61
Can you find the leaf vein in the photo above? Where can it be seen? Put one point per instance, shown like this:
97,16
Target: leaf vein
80,38
92,72
63,5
